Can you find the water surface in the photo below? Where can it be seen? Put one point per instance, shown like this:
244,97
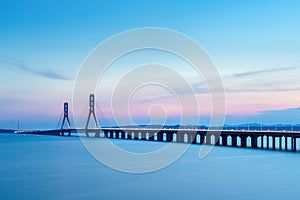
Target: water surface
51,167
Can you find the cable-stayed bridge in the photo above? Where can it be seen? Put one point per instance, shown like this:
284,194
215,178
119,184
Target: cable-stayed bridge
264,139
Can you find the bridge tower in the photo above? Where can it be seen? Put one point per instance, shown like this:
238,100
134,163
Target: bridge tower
66,119
92,113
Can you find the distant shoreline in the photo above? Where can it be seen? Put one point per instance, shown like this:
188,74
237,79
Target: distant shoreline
6,131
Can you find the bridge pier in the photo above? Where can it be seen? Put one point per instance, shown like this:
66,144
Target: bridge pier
202,138
208,139
187,138
217,141
169,136
62,132
224,140
268,142
280,143
273,142
97,134
243,141
151,136
286,143
254,141
105,133
143,135
193,138
122,135
136,135
160,136
294,148
234,140
180,137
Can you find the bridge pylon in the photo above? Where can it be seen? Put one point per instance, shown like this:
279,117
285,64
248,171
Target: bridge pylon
92,113
65,119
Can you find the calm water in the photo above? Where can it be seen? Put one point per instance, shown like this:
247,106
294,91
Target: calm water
49,167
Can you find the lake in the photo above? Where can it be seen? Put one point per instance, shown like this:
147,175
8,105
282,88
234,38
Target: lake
52,167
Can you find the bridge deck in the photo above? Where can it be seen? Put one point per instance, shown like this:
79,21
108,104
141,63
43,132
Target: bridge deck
198,131
286,140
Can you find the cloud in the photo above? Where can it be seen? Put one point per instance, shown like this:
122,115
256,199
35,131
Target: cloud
13,64
262,90
266,80
52,75
251,73
154,99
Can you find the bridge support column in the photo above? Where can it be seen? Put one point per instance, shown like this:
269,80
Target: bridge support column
151,136
273,142
160,136
286,143
234,140
111,134
193,138
294,144
243,141
254,141
180,137
105,133
169,136
136,135
280,143
262,142
202,138
122,135
217,140
224,140
188,137
97,134
268,142
208,139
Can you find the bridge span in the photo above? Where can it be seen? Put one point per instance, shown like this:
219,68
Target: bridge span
264,139
274,140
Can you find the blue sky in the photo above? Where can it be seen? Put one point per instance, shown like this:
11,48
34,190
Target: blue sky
254,44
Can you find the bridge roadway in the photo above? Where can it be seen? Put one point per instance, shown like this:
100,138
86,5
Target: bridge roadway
276,140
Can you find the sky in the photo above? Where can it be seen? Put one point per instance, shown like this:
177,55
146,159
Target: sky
255,46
